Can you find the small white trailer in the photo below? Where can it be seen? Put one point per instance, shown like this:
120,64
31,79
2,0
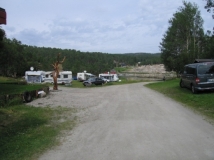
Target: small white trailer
34,76
82,76
64,77
112,77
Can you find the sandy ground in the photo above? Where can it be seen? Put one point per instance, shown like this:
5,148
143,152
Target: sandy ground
129,122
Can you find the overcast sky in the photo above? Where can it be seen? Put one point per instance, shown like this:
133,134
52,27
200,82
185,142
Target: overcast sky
108,26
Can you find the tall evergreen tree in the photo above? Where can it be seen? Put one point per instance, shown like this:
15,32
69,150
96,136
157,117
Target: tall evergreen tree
12,60
182,42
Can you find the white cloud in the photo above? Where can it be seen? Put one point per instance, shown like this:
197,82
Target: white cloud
92,25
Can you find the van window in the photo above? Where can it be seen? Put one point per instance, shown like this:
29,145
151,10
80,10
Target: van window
190,70
206,68
65,76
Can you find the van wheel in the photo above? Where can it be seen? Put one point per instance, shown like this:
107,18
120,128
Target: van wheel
194,91
181,84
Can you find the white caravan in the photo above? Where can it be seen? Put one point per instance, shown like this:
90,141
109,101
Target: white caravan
34,76
113,77
84,76
64,77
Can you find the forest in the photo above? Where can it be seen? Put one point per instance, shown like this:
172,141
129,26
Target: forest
16,58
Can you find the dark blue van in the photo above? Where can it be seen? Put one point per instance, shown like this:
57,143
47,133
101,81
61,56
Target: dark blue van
198,76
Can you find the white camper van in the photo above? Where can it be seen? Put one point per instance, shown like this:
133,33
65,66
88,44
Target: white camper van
84,76
64,77
113,77
34,76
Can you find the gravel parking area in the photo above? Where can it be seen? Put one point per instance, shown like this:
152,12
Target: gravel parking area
124,122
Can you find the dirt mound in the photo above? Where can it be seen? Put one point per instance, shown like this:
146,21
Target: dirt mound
156,68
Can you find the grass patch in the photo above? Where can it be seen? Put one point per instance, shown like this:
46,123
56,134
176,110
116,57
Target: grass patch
17,88
76,84
122,69
28,131
10,80
201,102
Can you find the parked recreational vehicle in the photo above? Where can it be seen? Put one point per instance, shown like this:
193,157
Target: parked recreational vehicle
110,76
34,76
64,77
84,76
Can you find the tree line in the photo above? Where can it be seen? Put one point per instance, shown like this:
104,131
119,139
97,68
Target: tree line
16,58
185,39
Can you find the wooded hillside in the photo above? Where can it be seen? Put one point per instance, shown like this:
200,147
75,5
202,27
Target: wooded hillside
16,58
77,61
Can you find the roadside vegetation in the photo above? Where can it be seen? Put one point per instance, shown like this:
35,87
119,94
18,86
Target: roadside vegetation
26,132
201,103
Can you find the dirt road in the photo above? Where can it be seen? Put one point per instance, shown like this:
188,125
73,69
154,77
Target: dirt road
130,122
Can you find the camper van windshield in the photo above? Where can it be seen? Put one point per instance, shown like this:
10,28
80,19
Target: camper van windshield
34,79
206,68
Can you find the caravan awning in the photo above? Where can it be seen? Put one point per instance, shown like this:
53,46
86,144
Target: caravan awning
3,16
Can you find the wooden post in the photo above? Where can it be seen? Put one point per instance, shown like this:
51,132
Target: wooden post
56,71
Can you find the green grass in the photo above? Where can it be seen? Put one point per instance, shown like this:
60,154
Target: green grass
121,69
26,132
9,79
76,84
202,102
16,86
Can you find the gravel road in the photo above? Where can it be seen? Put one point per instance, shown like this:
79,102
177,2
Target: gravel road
129,122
